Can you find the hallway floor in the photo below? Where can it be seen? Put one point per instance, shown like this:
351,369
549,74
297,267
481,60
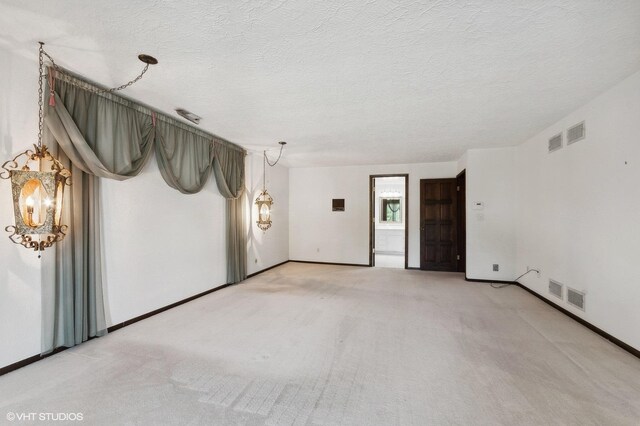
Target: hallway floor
389,260
310,344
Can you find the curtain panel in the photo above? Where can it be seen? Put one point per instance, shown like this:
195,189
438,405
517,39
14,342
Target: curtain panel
73,300
107,136
228,167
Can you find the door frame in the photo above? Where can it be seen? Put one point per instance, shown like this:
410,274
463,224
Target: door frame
372,219
461,181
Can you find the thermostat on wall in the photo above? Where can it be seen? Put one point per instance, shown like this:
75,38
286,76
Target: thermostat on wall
478,205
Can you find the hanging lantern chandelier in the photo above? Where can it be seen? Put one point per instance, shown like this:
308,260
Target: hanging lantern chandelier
38,185
37,188
264,200
38,195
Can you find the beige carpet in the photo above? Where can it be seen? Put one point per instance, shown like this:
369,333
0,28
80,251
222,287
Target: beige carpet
329,345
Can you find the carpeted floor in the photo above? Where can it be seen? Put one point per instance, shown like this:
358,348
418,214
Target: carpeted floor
332,345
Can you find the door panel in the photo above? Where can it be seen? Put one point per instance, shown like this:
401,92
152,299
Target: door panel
438,237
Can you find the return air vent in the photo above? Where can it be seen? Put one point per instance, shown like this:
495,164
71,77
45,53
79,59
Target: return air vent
555,143
555,288
576,133
575,298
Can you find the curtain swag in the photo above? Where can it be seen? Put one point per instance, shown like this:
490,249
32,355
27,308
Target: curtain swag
111,137
102,135
82,83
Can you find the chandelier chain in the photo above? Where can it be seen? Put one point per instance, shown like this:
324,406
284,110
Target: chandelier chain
40,97
90,88
264,172
277,159
265,161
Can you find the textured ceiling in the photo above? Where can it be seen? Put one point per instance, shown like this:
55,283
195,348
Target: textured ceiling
347,82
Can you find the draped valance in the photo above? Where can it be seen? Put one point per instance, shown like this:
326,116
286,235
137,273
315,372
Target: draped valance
112,137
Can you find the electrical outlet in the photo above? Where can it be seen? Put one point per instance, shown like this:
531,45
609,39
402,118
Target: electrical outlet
256,260
496,267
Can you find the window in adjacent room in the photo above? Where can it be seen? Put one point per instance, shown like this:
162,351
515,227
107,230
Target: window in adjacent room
391,210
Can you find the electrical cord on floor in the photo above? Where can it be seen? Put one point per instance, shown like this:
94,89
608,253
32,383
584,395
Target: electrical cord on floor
494,285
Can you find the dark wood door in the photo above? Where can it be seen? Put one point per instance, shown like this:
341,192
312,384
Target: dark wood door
438,237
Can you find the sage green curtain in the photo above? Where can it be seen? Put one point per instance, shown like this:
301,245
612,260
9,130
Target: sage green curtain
184,157
101,134
100,137
228,168
73,294
107,136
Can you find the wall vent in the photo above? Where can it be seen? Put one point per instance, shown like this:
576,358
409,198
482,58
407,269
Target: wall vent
188,115
575,298
555,288
576,133
555,143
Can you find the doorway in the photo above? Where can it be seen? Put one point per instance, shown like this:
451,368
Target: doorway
440,231
388,225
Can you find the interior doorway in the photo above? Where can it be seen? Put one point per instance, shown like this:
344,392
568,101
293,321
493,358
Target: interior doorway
388,225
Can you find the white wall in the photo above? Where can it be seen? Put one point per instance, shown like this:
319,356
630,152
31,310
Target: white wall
573,214
20,312
160,245
462,163
321,235
491,232
578,215
164,246
272,246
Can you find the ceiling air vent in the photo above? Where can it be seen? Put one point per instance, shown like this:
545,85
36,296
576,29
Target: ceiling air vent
555,288
576,133
555,143
575,298
188,115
